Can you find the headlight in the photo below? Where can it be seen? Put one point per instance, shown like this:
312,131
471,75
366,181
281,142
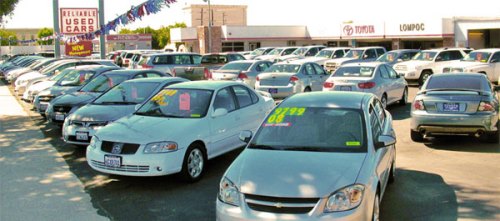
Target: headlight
160,147
228,193
94,142
345,199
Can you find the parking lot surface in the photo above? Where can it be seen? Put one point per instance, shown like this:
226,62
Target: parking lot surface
450,178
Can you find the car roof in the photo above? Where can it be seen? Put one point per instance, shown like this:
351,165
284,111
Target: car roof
131,71
369,47
339,99
206,84
335,48
404,50
172,53
364,64
156,79
492,50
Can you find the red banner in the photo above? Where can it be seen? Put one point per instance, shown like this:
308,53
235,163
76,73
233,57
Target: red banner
79,49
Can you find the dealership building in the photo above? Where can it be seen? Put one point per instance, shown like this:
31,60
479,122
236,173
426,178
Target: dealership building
393,34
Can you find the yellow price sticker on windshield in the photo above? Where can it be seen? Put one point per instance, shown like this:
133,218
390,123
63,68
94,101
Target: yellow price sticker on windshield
353,143
195,115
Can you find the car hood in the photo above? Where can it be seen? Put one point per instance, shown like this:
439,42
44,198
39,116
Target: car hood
95,112
76,98
413,64
290,56
31,75
340,60
42,85
266,57
145,129
294,173
314,59
60,90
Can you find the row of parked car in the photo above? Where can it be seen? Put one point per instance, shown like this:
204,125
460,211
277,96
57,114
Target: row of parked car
145,122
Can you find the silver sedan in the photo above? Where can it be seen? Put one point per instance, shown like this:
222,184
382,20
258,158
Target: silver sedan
286,78
456,104
243,71
372,77
317,156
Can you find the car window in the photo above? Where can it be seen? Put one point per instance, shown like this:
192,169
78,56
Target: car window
254,97
262,66
444,56
103,82
380,51
76,78
455,55
138,76
128,93
312,52
392,73
369,54
382,72
242,96
309,69
379,110
495,57
278,68
180,59
288,51
375,123
312,128
405,56
456,82
162,59
354,71
224,99
319,69
236,57
196,59
150,75
338,54
177,103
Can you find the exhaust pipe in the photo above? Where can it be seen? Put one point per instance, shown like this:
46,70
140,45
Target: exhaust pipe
479,133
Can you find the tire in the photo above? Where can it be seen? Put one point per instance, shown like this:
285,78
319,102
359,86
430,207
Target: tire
193,166
307,89
376,208
404,99
416,136
383,100
423,77
491,137
392,173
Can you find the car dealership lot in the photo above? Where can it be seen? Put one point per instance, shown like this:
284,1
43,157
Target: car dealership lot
449,179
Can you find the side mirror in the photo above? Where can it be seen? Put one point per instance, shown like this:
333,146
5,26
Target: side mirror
137,106
439,58
384,141
245,136
219,112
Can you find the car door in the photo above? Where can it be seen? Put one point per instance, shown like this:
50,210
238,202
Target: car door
224,129
397,83
320,71
390,84
248,107
382,155
312,77
383,83
495,63
370,55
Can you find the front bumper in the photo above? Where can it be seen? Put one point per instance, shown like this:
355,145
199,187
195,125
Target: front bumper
409,75
73,134
439,123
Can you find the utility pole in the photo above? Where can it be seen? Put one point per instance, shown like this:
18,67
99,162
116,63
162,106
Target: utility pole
55,8
209,27
102,38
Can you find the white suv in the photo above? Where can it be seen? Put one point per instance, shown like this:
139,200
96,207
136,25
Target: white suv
485,61
428,62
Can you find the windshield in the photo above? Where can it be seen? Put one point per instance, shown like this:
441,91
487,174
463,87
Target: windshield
476,56
300,51
178,103
324,54
275,51
61,75
388,57
354,54
258,51
103,82
128,93
354,71
280,68
312,129
76,77
425,56
236,66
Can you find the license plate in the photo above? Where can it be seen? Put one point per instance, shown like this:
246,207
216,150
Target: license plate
345,88
273,90
43,107
112,161
451,107
60,117
82,135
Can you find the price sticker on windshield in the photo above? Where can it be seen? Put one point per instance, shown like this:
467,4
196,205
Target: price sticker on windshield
280,113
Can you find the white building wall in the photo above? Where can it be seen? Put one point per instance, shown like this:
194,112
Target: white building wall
463,25
264,32
183,34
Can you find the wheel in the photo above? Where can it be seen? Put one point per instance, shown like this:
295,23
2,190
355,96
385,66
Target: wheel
193,165
307,89
392,173
491,137
416,136
376,208
423,77
404,99
383,100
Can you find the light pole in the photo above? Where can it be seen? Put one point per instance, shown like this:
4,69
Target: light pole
10,49
209,27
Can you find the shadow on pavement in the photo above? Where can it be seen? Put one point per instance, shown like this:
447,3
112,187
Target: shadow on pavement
399,112
417,195
462,144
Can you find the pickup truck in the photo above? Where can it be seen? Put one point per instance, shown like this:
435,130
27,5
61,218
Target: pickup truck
209,62
484,61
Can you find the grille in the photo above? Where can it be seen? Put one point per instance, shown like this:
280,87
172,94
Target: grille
127,148
89,123
62,109
73,139
122,168
45,98
280,204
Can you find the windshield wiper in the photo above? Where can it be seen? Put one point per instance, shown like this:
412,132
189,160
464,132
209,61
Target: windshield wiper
264,147
117,102
317,149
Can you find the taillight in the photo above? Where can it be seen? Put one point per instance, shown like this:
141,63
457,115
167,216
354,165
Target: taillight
242,75
207,73
328,85
257,78
294,79
174,73
145,66
485,106
419,105
366,85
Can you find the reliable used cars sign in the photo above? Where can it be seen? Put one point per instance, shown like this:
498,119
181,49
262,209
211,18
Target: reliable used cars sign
79,49
78,20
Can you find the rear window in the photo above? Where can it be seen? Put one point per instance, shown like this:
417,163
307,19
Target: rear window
457,82
144,60
236,66
356,71
172,59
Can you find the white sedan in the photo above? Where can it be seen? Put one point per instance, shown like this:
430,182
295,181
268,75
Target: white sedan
371,77
178,129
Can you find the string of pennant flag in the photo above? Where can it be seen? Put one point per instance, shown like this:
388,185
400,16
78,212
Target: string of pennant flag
136,12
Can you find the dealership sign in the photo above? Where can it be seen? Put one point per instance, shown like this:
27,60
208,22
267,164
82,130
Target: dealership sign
78,20
79,49
352,30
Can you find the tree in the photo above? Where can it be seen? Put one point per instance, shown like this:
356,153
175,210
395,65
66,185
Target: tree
4,35
125,31
6,8
44,32
161,37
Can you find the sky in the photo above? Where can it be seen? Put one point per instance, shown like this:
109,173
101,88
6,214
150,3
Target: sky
38,13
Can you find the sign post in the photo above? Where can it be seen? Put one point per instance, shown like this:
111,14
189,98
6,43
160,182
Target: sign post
102,38
55,9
